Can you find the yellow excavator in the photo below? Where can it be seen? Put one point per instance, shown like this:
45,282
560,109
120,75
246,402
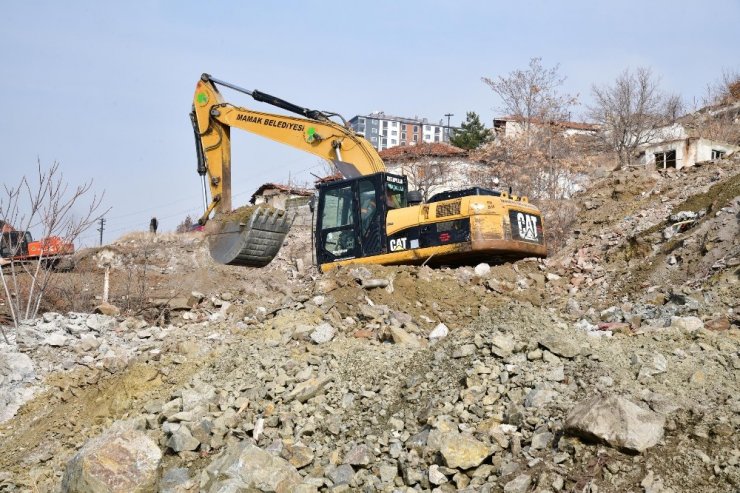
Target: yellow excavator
369,216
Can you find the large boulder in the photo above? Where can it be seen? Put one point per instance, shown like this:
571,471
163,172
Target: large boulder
616,421
250,468
561,345
463,451
308,389
119,461
106,308
16,376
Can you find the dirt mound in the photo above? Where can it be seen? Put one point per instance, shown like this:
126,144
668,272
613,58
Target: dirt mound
408,378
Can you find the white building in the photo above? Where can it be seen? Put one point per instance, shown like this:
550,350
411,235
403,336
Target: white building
683,152
689,140
386,131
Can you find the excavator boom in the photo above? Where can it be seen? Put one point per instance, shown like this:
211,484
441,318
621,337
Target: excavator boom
213,119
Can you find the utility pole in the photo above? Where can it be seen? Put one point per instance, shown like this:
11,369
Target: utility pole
448,115
101,229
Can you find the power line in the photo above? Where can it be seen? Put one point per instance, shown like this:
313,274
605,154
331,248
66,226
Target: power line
129,225
149,210
153,209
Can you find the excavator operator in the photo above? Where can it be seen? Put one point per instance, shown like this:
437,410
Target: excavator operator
392,200
367,211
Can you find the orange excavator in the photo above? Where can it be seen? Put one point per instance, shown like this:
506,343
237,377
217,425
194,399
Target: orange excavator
19,246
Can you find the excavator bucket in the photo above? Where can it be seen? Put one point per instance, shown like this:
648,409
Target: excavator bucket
249,236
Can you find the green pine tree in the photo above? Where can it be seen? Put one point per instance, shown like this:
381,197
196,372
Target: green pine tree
471,134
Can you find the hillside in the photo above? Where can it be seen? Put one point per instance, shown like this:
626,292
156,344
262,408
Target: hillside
611,366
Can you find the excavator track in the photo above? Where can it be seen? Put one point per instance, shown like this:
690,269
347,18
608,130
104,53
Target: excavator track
249,237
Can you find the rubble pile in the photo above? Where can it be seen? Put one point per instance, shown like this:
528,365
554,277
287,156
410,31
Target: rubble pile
671,249
607,367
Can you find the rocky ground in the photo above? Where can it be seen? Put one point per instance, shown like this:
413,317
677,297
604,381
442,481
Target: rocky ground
612,366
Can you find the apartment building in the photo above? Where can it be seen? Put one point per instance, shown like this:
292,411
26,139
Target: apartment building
386,131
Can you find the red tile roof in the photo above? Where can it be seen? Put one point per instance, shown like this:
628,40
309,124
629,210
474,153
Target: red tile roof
425,149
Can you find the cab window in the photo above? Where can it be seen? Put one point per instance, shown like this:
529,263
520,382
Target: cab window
395,196
368,207
337,208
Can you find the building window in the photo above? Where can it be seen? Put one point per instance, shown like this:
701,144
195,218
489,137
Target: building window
436,130
374,139
416,128
393,142
375,130
403,135
426,127
361,120
665,159
436,138
717,154
394,132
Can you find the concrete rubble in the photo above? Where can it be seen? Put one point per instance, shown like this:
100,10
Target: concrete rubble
603,368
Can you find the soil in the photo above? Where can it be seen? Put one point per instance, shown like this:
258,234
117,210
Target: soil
236,330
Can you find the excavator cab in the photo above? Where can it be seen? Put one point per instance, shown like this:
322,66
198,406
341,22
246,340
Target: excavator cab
351,215
15,243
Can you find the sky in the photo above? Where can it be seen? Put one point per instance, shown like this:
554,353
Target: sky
105,88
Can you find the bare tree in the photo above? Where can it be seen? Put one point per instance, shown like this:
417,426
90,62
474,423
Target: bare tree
426,169
48,205
632,111
548,171
186,225
724,90
542,171
533,95
426,175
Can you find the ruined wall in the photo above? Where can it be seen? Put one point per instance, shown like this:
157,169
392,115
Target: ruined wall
688,151
704,148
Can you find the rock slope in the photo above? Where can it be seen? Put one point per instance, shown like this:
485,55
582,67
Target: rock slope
612,366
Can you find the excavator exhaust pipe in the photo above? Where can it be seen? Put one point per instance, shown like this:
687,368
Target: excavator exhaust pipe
249,237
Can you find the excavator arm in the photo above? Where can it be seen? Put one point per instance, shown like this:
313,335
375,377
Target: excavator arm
213,119
253,236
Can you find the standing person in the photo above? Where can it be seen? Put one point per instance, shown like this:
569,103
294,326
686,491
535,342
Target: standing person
153,225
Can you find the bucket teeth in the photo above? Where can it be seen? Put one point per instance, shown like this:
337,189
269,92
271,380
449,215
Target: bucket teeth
253,243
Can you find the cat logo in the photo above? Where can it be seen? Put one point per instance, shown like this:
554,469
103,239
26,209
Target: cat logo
527,225
398,244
